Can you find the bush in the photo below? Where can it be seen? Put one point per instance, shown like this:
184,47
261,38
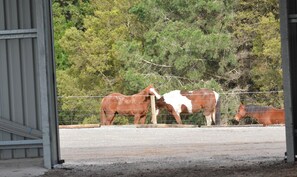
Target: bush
121,120
91,120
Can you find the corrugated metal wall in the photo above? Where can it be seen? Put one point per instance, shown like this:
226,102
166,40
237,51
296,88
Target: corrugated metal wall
28,118
18,72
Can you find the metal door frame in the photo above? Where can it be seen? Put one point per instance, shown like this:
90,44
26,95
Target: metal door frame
48,137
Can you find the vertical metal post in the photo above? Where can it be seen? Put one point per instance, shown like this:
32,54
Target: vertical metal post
153,107
55,136
287,81
42,72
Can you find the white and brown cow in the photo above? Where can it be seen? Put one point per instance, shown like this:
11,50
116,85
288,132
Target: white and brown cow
176,102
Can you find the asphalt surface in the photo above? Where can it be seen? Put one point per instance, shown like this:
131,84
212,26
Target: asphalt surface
128,151
108,145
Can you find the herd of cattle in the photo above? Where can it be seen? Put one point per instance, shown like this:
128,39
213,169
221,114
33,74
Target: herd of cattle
176,102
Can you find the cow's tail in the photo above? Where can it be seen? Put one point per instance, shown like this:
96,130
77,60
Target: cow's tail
102,114
217,109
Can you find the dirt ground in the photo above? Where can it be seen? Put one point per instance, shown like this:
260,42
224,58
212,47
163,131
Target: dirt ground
150,169
211,152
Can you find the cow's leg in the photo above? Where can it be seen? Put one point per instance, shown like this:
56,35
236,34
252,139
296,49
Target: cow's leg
157,112
209,116
142,119
213,117
109,118
136,118
112,119
208,120
177,117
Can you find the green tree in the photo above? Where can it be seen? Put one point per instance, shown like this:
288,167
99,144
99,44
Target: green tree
267,71
91,67
67,14
257,37
125,45
184,44
90,50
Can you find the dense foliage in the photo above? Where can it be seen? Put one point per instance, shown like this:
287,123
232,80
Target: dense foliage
105,46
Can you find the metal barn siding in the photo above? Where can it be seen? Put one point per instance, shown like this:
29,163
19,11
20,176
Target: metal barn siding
28,119
288,17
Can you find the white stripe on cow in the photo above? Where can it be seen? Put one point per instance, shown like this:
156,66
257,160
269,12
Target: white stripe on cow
216,96
176,100
156,93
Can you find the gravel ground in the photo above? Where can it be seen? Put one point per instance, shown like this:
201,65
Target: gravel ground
130,151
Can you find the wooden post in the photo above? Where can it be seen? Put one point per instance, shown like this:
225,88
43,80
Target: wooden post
153,107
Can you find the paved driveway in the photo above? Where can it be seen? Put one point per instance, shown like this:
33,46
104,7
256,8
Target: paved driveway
231,145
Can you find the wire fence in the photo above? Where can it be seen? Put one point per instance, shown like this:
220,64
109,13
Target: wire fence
86,109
